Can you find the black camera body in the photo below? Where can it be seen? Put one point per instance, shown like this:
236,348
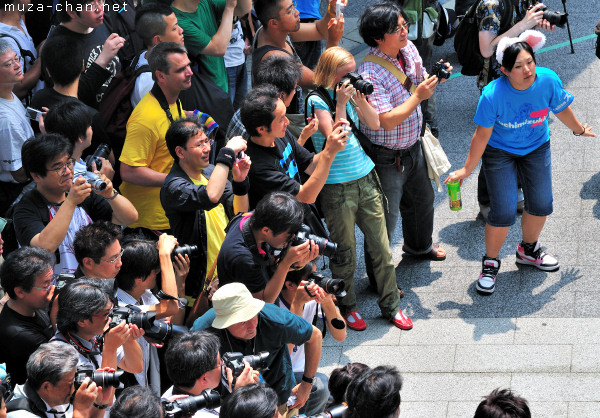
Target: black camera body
329,285
63,280
156,330
101,378
103,151
357,82
235,361
326,247
187,407
439,70
184,249
554,18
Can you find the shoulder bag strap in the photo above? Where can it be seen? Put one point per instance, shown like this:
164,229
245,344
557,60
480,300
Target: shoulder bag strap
403,78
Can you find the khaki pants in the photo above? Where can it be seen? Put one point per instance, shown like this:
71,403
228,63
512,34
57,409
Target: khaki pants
285,412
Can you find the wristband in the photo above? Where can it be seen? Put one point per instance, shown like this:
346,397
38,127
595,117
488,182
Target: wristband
99,406
115,194
584,129
308,379
241,188
226,156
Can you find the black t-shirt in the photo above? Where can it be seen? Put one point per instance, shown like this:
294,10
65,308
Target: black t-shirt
276,169
91,84
241,261
20,336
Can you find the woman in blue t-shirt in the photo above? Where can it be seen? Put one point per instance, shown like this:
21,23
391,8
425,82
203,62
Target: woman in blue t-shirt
513,140
352,194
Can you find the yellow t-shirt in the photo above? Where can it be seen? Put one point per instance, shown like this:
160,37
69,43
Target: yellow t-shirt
145,146
216,222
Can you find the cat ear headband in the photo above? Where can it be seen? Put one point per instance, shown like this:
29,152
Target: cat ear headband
534,38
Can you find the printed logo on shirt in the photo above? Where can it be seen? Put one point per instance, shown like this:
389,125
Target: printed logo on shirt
288,163
535,118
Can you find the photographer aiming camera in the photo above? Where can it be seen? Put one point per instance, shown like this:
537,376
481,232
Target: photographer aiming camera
49,390
250,326
194,365
24,322
303,297
82,321
143,263
246,255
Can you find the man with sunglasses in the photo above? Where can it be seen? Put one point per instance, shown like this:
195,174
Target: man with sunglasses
197,197
27,278
50,215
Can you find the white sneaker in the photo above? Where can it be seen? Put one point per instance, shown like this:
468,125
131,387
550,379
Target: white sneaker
486,283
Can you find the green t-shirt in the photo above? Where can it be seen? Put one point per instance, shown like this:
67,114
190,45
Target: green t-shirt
198,30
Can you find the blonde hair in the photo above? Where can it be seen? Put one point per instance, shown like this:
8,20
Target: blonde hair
330,61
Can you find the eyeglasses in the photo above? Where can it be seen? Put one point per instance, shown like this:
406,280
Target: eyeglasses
115,258
105,316
399,29
207,141
10,63
52,283
63,168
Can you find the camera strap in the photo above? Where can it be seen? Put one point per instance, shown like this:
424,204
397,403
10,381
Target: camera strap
86,352
162,101
402,78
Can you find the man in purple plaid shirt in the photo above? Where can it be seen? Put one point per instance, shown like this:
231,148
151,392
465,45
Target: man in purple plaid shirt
399,160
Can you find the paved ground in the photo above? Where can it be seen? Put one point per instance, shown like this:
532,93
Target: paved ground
539,333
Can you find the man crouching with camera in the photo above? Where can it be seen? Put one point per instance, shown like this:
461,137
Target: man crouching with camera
247,254
53,389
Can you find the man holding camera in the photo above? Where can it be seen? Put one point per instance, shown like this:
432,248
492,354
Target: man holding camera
247,256
50,215
197,197
24,322
49,391
250,326
396,151
194,365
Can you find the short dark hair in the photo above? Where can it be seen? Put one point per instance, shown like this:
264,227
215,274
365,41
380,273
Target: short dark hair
22,266
71,119
137,402
281,71
180,132
278,211
140,259
93,239
375,393
72,5
341,377
255,400
296,276
42,149
511,53
503,404
258,107
78,301
190,356
379,19
267,10
150,21
158,57
63,59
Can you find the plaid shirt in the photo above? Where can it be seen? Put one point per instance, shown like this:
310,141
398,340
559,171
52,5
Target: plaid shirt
388,93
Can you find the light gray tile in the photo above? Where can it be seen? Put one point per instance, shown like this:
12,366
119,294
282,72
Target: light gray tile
407,358
552,331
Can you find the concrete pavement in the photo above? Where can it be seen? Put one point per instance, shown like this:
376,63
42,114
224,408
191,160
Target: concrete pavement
539,333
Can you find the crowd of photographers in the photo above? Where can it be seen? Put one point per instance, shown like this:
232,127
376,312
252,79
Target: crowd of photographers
161,265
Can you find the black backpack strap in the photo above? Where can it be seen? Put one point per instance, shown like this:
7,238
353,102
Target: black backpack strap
162,101
505,24
324,95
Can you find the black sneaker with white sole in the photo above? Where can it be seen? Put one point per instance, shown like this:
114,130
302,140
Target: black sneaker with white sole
486,283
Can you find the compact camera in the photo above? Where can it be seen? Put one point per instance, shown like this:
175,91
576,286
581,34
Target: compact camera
93,179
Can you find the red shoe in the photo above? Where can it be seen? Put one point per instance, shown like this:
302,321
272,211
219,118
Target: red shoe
402,321
355,321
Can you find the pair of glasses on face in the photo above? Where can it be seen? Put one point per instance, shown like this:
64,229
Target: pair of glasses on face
207,141
52,283
402,27
10,63
115,258
63,168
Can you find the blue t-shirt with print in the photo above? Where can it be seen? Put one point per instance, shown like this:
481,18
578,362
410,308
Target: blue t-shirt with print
520,117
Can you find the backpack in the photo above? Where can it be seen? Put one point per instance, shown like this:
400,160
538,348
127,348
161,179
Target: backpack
466,39
115,107
422,19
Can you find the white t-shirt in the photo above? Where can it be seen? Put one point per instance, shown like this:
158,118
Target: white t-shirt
143,83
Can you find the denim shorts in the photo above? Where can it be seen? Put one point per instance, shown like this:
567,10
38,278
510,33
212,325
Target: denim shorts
534,171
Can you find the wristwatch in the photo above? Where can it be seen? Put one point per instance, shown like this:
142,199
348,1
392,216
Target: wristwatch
308,379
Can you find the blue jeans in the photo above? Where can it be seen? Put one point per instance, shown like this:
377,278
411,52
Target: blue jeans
319,394
409,193
502,169
238,84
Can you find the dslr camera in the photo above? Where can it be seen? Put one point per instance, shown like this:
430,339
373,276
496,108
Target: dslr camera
101,378
331,286
326,248
358,83
156,330
336,411
102,151
439,69
187,407
235,361
554,18
190,250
